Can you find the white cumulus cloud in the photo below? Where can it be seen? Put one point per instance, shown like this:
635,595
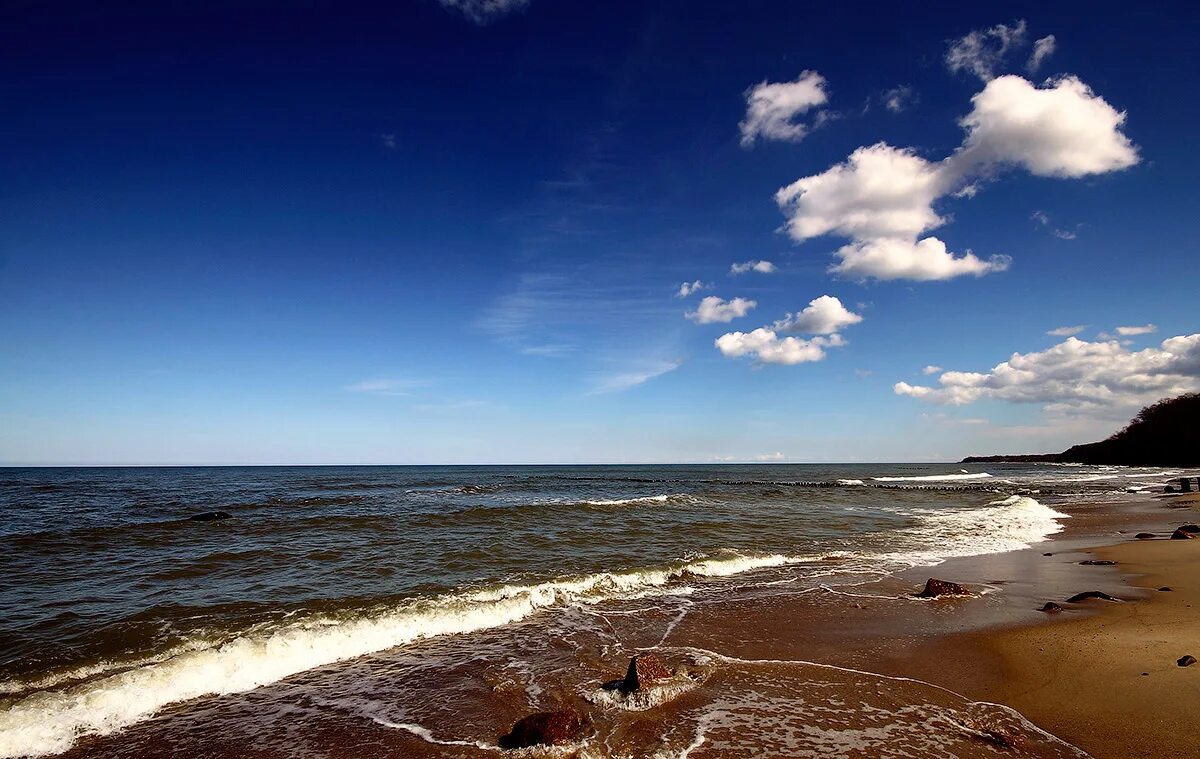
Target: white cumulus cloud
768,347
1144,329
689,288
823,316
1076,376
762,267
713,309
772,108
1060,129
931,369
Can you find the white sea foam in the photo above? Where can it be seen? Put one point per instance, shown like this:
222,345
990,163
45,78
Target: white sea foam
935,477
49,722
641,499
851,482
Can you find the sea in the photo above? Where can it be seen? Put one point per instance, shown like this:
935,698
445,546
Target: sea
419,610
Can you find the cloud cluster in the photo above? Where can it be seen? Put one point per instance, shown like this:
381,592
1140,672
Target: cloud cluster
762,267
689,288
882,197
772,108
713,309
899,98
823,316
1076,376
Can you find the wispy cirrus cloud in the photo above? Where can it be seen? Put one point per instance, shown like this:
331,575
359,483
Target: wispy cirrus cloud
387,386
624,380
761,267
1066,331
483,12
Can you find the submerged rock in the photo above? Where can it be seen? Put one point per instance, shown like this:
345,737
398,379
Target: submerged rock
1090,594
1186,661
545,729
1182,534
935,588
1097,563
209,516
1145,535
1050,607
1192,528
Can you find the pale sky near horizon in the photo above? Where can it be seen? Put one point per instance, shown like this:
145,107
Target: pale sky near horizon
528,231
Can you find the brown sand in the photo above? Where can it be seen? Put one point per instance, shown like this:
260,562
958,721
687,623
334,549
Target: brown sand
1109,682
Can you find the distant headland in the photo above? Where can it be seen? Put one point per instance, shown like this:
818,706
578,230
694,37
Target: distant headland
1166,433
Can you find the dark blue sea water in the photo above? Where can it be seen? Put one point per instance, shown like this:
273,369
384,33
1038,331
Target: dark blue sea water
116,606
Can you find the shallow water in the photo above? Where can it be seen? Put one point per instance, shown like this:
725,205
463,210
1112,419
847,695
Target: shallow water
497,589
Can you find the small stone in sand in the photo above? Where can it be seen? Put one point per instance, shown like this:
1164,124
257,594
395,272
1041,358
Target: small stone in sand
1144,536
1165,589
1090,594
1097,563
1050,607
1047,554
1186,661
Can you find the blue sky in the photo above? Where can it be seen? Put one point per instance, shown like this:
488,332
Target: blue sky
452,232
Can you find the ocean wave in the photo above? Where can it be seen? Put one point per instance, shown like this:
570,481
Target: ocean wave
936,477
1008,524
48,721
665,498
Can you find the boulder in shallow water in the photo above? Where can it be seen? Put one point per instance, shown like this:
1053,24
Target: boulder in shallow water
1192,528
1186,661
1182,534
643,669
1145,536
545,729
935,587
1087,594
209,516
1050,607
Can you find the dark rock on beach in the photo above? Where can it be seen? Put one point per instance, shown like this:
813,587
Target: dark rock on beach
643,669
1165,589
1078,597
1192,528
1186,661
1050,607
1097,563
209,516
1145,536
1182,534
935,588
545,729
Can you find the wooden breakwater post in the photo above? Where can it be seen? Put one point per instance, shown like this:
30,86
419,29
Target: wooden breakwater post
1185,485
